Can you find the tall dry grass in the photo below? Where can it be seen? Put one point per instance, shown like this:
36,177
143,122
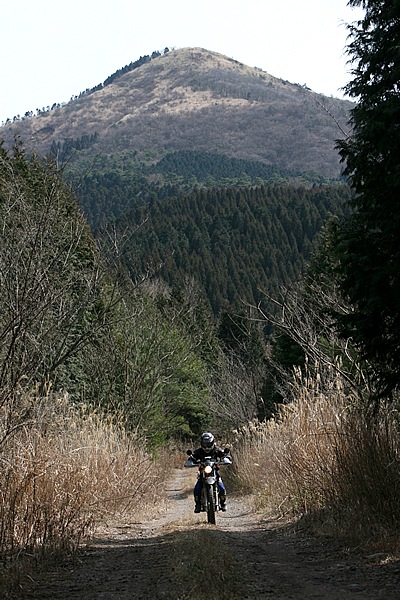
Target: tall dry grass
65,472
326,456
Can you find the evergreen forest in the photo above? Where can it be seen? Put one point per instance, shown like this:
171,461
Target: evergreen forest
240,244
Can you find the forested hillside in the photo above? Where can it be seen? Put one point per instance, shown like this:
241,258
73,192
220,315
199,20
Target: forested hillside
114,185
68,319
172,129
239,243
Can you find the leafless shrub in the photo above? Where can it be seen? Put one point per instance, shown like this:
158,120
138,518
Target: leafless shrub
302,313
234,394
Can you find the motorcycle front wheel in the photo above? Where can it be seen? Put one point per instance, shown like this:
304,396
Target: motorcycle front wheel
210,506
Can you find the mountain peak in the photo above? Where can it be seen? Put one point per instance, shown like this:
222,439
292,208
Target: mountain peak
193,98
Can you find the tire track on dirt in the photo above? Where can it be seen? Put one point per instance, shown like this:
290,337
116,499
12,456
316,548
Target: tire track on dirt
177,555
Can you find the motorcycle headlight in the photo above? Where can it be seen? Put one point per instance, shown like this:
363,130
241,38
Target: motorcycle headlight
207,470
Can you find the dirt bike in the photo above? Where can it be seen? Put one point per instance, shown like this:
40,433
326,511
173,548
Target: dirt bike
208,472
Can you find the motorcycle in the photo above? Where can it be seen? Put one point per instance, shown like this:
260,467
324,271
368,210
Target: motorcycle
208,472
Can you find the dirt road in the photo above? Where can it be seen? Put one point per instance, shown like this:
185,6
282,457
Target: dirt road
178,555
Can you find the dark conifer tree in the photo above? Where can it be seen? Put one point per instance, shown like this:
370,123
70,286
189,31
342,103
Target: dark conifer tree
368,260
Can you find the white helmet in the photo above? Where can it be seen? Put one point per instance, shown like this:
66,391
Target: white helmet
207,442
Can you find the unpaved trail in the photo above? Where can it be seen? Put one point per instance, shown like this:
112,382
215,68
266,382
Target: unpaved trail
179,556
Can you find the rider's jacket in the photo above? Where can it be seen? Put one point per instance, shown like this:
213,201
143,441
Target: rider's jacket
199,454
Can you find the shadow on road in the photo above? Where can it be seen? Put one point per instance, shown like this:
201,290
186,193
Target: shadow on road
199,561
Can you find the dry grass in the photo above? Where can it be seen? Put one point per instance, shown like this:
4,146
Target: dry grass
63,476
327,458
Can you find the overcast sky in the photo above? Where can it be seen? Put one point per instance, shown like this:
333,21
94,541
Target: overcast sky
51,51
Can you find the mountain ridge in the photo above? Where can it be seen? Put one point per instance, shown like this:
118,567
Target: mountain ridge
194,98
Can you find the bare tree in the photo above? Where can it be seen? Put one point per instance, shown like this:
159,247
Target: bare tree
235,401
51,281
302,312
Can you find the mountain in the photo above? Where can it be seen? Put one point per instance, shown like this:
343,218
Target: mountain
193,99
205,167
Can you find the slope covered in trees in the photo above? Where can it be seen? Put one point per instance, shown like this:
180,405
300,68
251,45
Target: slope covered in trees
239,243
67,322
115,184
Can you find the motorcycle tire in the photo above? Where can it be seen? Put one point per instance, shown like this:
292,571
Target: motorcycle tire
210,506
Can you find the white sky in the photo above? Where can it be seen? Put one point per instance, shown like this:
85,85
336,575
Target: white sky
51,51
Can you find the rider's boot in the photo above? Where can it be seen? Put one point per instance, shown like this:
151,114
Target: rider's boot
197,506
222,502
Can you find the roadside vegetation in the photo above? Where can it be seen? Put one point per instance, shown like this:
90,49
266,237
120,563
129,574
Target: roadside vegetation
325,459
65,472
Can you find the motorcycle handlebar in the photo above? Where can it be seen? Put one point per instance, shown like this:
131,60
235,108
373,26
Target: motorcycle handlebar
190,463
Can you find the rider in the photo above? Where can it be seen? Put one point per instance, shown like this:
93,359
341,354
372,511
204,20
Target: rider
208,448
